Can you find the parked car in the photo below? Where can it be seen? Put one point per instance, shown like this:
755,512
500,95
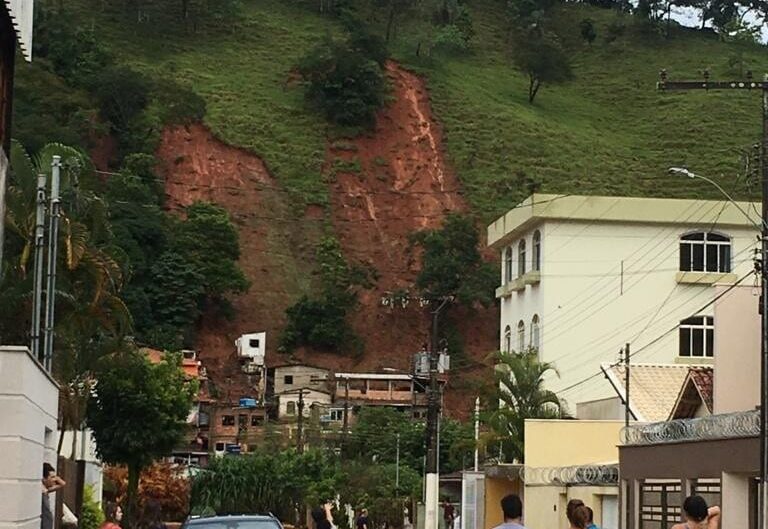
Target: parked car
244,521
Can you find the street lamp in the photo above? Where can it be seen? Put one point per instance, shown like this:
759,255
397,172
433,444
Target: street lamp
690,174
763,500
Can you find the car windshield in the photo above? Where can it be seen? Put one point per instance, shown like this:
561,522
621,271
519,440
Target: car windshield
233,524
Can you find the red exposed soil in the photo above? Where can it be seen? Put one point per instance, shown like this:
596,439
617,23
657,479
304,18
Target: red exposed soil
197,166
403,185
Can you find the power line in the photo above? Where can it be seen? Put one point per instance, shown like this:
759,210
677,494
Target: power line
663,335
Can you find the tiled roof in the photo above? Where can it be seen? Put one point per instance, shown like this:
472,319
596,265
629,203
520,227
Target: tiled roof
653,388
696,391
704,378
191,368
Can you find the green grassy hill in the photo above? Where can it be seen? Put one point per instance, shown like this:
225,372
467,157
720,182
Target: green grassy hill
607,131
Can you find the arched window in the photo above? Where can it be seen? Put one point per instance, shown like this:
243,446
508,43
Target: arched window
520,336
507,339
536,266
290,408
521,258
705,252
535,339
508,265
697,337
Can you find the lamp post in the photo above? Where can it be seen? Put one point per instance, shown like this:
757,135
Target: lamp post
690,174
763,518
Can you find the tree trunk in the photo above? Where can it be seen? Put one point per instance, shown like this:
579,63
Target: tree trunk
533,88
131,507
390,21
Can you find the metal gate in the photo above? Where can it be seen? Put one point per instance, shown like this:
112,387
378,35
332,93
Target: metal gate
660,502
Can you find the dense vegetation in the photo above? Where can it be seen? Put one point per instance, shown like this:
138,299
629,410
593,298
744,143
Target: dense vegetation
279,480
532,95
605,131
321,321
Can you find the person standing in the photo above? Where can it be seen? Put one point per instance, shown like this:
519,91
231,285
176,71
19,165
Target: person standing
448,514
362,520
323,516
578,517
112,516
698,515
51,483
512,508
591,519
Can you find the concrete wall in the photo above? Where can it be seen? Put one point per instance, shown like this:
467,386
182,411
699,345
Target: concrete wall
737,350
495,490
735,500
567,443
562,444
28,415
310,398
303,377
588,307
545,505
610,409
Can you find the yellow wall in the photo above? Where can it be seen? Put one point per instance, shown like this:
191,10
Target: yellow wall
495,490
545,505
569,443
564,444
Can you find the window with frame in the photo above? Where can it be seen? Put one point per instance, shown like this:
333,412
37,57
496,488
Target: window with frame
697,337
507,339
521,258
705,252
536,257
227,420
288,380
508,265
337,414
520,336
290,408
535,338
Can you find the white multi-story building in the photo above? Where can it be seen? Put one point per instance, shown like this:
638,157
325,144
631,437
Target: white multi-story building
583,275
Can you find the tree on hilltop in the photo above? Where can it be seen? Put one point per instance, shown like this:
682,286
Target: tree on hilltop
542,59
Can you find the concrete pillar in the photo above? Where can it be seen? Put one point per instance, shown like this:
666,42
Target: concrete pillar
735,500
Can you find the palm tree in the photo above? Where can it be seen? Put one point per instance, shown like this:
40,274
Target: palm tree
520,395
91,316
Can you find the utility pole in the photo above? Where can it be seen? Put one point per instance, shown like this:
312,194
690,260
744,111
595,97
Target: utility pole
53,247
300,426
37,288
433,411
750,84
432,431
345,424
626,386
477,433
397,464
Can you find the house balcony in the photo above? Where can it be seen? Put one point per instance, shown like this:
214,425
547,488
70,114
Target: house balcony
705,278
518,284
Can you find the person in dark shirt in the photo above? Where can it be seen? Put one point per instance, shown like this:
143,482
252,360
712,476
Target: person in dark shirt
448,514
362,520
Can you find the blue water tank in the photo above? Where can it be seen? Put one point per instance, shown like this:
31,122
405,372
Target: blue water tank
247,403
